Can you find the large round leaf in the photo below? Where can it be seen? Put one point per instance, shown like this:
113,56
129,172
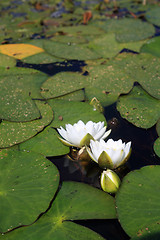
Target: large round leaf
75,201
138,203
143,68
153,15
107,46
139,108
152,46
62,83
28,184
16,93
12,133
71,112
46,143
128,29
69,51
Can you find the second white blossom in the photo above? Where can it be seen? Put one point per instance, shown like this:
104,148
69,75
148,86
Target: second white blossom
110,154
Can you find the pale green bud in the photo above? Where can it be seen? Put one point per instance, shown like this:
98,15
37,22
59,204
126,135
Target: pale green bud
110,181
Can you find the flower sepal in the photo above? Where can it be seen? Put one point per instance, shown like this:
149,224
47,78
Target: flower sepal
86,140
110,182
105,161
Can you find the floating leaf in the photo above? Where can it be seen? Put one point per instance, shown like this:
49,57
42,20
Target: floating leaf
107,46
128,29
137,201
156,146
19,51
41,58
152,47
28,184
46,143
61,84
153,15
16,93
69,51
6,61
139,108
143,68
75,201
12,133
71,112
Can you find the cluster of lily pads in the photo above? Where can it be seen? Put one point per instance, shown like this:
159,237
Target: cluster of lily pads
109,155
117,57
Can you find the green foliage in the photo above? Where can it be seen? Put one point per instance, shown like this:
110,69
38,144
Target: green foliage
153,15
139,108
137,203
12,133
152,47
75,201
28,184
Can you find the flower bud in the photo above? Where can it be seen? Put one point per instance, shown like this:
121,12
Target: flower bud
110,181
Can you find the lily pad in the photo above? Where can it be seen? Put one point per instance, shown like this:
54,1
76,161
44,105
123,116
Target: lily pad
46,143
128,29
62,83
16,93
143,68
156,147
71,112
107,46
153,15
6,61
28,184
19,51
152,47
12,133
138,196
139,108
75,201
41,58
69,51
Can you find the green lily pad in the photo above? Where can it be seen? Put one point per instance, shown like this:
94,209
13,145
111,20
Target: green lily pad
153,15
28,184
71,112
41,58
152,47
128,29
16,93
158,127
46,143
6,61
12,133
143,68
69,51
107,46
73,96
75,201
137,202
139,108
62,83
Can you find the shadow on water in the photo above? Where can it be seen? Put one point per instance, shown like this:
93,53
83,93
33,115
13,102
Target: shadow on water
53,68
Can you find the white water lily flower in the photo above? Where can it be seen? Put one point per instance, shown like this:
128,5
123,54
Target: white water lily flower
110,154
80,134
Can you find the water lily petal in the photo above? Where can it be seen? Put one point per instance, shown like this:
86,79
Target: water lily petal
91,155
100,133
86,140
106,134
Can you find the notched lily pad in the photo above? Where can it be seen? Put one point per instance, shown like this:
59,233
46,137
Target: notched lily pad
128,29
71,112
62,83
16,93
69,205
139,108
46,143
12,133
138,196
28,184
69,51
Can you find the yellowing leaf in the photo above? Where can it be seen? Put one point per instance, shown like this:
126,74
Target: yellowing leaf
20,51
